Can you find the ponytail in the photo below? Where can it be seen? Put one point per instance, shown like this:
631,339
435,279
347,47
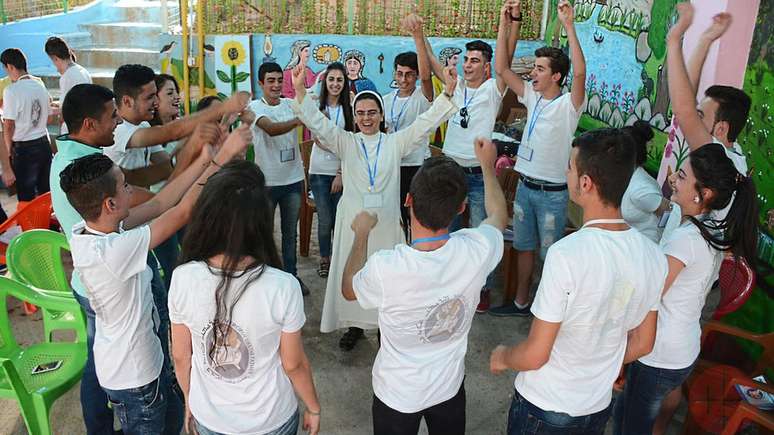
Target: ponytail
737,231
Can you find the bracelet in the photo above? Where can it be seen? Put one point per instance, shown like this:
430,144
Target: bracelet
447,94
312,412
518,19
215,163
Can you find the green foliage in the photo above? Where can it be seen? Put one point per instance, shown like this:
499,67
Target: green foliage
660,20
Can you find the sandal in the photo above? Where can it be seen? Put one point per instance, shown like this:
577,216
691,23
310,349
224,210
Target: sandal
325,266
350,338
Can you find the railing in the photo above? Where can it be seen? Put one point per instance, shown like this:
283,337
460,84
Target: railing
461,18
14,10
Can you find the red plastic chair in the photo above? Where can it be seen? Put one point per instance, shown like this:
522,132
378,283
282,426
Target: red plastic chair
32,215
737,281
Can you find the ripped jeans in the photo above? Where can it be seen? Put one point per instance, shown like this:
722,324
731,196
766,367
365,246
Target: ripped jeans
539,218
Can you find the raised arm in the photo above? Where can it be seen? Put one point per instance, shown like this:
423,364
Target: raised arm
414,24
184,126
362,225
507,32
681,92
494,199
415,135
566,16
720,23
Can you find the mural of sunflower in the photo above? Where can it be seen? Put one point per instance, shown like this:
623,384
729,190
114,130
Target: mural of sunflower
233,54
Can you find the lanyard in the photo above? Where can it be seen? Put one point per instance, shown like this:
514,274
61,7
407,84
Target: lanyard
536,115
430,239
603,221
396,121
465,100
338,112
372,173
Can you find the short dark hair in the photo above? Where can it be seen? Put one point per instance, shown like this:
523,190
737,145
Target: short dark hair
129,80
483,47
438,190
733,107
557,60
57,47
15,57
83,101
87,181
268,67
641,133
605,156
206,102
408,58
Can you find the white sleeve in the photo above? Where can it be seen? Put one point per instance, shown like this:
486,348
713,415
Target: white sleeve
335,138
681,246
550,302
528,99
368,285
293,318
9,104
121,136
494,244
645,198
415,135
126,254
176,296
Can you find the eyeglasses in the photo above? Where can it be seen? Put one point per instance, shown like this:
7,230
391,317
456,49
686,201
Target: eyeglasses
465,117
408,76
364,114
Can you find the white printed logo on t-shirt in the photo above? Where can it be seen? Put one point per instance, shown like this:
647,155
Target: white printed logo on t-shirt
443,321
232,360
35,112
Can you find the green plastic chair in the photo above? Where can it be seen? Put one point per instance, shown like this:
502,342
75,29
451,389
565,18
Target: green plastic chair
35,393
34,258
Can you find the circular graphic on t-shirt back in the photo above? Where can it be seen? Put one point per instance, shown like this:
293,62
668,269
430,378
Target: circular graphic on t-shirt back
444,320
232,358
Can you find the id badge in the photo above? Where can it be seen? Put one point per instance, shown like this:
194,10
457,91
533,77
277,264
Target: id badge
524,152
372,200
329,156
287,155
664,219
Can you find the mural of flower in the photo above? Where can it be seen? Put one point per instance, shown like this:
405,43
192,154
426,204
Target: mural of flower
233,53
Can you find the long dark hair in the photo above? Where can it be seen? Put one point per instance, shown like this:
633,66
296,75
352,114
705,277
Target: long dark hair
232,217
367,95
161,80
738,231
346,105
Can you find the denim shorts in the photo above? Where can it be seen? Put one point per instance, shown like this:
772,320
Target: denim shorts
290,427
524,418
539,218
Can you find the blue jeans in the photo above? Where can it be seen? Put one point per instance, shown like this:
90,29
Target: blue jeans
539,218
476,210
646,387
289,428
167,254
527,419
31,163
154,408
97,416
326,202
160,300
288,198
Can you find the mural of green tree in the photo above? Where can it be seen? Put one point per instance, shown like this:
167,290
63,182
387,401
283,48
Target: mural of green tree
661,18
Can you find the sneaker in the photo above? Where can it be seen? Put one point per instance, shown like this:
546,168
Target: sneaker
483,305
304,288
511,310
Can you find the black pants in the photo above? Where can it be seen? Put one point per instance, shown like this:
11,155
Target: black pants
445,418
31,162
406,175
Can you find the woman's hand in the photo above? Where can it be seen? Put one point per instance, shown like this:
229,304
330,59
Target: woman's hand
299,74
337,185
311,422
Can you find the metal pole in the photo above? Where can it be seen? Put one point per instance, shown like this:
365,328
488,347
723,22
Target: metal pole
200,40
186,84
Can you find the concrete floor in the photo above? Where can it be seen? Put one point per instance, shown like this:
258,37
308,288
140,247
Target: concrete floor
343,379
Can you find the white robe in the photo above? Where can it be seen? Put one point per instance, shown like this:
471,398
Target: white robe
337,311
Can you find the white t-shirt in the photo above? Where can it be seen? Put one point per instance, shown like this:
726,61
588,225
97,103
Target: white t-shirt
640,201
544,151
324,162
600,285
400,112
737,157
26,102
483,104
279,157
678,335
113,268
73,75
245,390
426,302
130,158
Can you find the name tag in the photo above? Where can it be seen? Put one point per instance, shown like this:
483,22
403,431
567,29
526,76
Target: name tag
287,155
525,152
664,219
372,200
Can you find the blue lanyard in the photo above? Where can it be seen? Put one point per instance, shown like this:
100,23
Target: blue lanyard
536,115
338,112
430,239
372,173
465,100
396,121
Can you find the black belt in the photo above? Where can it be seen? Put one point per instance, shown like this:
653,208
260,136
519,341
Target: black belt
24,143
544,187
472,169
